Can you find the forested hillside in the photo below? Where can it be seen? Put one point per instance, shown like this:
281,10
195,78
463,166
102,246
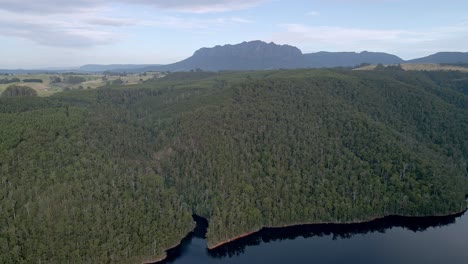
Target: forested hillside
114,174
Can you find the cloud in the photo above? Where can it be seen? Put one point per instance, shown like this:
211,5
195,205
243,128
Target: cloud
313,13
241,20
335,35
111,22
53,32
73,6
87,30
173,22
198,6
176,22
87,23
74,38
49,6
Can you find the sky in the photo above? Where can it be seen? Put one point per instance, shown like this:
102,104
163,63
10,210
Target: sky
68,33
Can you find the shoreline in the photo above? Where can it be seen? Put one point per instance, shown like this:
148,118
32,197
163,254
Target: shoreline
246,234
155,260
160,259
220,244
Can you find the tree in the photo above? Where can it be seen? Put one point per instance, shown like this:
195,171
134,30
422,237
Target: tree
117,82
55,79
74,79
380,67
32,80
17,90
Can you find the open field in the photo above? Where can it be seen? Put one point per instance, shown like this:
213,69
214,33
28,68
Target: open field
91,81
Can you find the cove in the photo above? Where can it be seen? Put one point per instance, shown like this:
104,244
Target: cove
392,239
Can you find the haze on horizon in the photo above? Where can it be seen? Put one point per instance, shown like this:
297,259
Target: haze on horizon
54,33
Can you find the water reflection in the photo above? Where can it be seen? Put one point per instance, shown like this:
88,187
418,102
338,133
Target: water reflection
337,231
193,247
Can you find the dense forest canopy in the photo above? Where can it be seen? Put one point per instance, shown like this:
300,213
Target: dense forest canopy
114,174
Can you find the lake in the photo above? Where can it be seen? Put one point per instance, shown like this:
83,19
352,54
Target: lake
389,240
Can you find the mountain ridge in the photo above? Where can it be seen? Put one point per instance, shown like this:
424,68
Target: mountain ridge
113,67
325,59
443,57
253,55
260,55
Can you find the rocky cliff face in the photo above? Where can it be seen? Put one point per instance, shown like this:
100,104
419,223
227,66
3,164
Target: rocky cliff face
254,55
251,50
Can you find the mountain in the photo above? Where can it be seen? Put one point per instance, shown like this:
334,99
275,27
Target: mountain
27,71
254,55
443,57
259,55
59,68
348,59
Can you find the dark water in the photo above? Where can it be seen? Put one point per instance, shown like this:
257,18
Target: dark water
389,240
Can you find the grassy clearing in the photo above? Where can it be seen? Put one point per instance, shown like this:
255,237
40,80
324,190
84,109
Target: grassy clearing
93,81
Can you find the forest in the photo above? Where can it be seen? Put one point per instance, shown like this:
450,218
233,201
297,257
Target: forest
113,175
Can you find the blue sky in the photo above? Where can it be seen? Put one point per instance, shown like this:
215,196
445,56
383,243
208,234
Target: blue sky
57,33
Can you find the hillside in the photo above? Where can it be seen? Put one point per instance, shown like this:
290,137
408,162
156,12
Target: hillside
347,59
443,57
421,67
113,175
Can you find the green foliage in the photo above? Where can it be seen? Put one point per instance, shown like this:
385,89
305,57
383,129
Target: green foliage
33,80
17,91
381,67
117,82
68,198
71,79
24,104
7,81
114,174
186,76
55,79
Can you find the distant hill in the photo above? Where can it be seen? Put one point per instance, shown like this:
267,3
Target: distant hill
444,57
113,67
421,67
259,55
348,59
26,71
